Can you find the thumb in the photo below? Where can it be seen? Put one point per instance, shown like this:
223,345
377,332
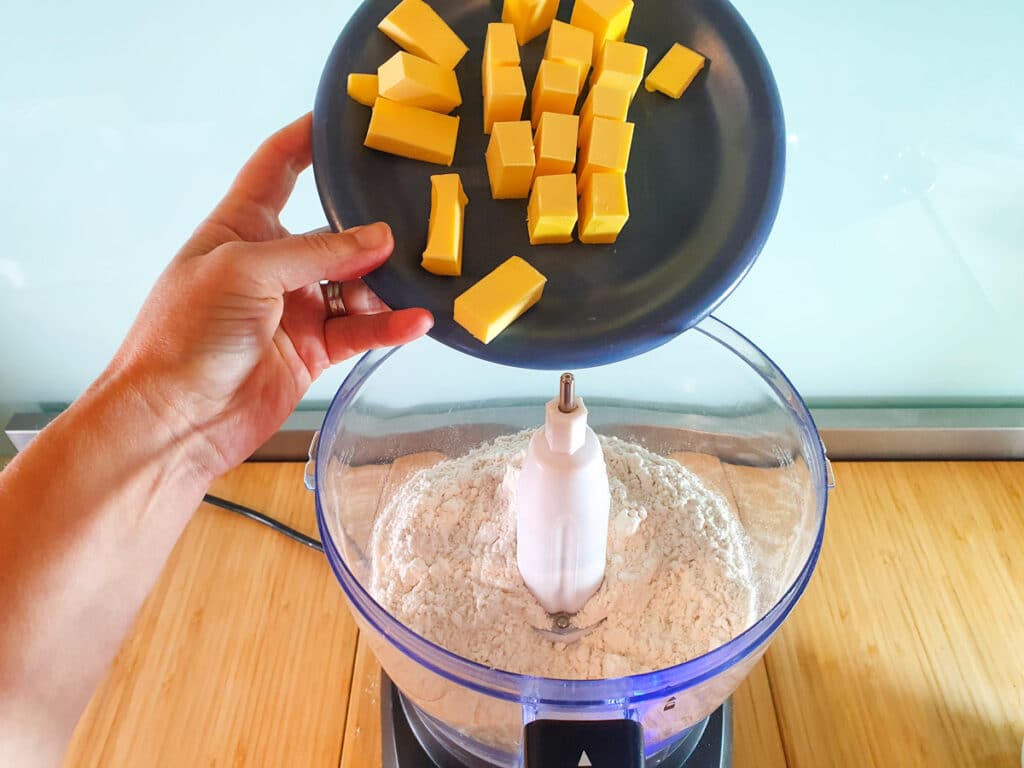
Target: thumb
293,262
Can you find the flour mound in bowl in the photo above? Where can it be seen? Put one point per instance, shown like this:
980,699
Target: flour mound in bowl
678,581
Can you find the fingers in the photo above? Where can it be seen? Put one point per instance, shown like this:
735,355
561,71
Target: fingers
303,321
267,179
293,262
360,300
354,334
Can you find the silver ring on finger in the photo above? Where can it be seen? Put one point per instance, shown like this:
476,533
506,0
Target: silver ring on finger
332,298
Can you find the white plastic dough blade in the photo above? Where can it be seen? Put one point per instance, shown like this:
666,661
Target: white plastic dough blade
562,507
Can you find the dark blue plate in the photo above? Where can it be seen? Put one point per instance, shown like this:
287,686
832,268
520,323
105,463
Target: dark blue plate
704,181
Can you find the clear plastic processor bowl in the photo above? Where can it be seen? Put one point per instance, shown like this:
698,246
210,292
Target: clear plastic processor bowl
709,397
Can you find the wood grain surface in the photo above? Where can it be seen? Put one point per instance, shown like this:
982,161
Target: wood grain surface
906,650
908,647
243,653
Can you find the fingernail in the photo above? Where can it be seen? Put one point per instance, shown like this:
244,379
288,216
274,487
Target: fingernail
372,236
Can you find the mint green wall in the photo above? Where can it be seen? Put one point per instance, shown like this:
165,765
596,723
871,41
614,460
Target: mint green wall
894,273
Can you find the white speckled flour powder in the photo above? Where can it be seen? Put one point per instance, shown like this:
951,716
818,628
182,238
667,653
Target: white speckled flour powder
678,581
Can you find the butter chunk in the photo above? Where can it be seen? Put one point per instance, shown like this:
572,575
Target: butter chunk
417,28
510,160
495,302
418,82
530,18
443,255
555,143
556,89
604,208
602,101
362,88
621,65
504,95
412,132
571,45
552,211
500,47
605,19
676,70
608,149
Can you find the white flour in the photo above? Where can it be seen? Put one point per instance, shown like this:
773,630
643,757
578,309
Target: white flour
678,581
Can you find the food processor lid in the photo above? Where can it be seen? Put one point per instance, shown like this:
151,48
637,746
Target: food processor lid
704,184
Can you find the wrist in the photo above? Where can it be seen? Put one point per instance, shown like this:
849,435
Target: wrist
137,412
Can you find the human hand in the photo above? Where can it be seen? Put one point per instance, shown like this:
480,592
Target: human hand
236,329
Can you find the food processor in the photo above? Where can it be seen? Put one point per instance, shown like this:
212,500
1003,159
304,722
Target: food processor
708,399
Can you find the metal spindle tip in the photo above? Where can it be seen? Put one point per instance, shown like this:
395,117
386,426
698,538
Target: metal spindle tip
567,393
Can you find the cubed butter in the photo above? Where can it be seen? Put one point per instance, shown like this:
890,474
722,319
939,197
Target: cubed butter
418,82
554,144
552,211
555,89
417,28
412,132
606,19
495,302
443,255
676,70
602,101
529,17
607,151
500,48
510,160
362,88
604,209
621,65
504,95
570,45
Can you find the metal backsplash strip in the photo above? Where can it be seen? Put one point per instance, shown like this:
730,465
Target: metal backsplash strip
849,434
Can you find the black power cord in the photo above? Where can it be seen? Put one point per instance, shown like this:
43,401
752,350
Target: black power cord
266,520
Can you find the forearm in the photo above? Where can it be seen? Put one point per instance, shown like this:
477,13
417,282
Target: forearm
222,351
88,515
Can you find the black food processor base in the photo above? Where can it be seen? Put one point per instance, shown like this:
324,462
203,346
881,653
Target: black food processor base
407,743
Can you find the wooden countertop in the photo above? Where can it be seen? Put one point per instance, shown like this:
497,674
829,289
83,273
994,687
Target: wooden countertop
906,650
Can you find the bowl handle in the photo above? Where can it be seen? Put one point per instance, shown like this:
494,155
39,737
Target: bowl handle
309,473
830,475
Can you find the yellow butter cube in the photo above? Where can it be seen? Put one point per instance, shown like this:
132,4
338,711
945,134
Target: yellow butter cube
443,255
418,82
602,101
621,65
607,150
555,90
529,17
604,209
504,96
510,160
417,28
554,144
362,88
500,48
495,302
412,132
570,45
676,70
552,211
606,19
